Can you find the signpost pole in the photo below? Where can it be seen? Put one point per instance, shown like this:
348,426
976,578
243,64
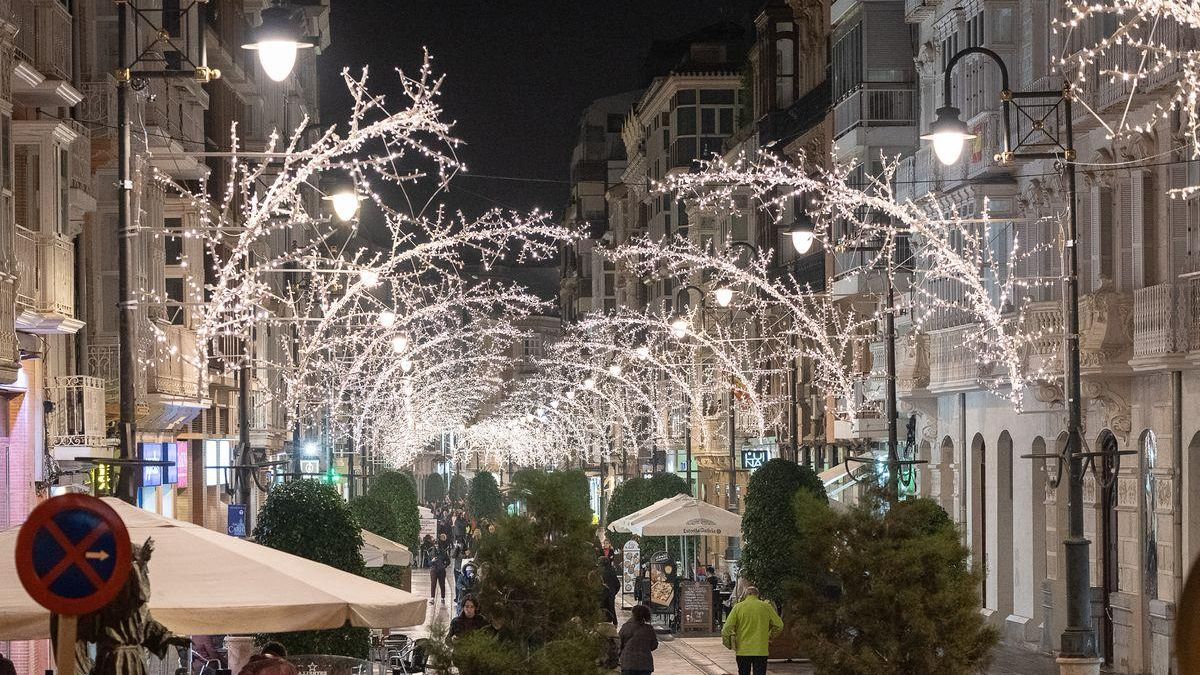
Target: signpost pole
64,652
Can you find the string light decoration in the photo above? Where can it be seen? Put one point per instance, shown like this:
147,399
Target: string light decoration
1116,50
387,344
619,382
963,266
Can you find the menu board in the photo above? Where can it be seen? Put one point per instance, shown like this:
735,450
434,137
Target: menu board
663,576
631,558
695,605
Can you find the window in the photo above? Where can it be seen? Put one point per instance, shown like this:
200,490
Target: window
848,62
175,300
174,248
614,123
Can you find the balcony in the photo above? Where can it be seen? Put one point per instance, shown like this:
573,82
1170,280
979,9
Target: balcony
952,365
1160,323
174,370
104,365
44,36
872,105
76,426
45,283
98,109
83,189
916,11
176,119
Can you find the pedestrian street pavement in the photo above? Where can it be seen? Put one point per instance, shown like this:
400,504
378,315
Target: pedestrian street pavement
707,656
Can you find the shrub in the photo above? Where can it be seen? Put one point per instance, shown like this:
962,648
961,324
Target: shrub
399,493
458,488
484,502
895,593
309,519
538,571
435,488
769,530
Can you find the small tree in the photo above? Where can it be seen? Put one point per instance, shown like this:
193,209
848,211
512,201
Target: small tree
309,519
628,497
399,493
894,595
484,501
769,530
435,488
538,570
458,488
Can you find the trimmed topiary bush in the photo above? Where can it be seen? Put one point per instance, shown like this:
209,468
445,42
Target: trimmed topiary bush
484,502
435,488
397,491
458,488
309,519
769,532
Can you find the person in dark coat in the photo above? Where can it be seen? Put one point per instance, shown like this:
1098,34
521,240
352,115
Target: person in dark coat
612,586
437,576
638,640
468,621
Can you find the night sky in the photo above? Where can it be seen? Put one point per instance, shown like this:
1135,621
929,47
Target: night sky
519,73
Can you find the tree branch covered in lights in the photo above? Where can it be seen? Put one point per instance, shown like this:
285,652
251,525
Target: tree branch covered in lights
963,265
1131,47
624,381
389,342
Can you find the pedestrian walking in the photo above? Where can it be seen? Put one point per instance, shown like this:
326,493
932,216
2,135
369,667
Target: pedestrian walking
612,586
748,630
437,576
638,641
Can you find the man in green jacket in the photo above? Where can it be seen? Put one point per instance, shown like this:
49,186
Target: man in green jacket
750,626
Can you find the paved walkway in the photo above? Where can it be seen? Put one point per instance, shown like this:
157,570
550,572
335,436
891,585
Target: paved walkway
706,655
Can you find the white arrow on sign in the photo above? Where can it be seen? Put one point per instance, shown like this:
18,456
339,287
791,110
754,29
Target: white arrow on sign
96,555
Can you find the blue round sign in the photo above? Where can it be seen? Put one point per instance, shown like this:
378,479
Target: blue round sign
73,554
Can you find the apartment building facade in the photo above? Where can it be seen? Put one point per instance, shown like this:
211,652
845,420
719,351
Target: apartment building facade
58,252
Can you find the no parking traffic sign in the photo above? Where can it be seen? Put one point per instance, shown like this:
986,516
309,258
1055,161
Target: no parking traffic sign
73,554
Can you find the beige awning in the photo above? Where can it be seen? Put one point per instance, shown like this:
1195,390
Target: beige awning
378,551
207,583
625,523
689,517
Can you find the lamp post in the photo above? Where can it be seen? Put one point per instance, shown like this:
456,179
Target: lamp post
1078,651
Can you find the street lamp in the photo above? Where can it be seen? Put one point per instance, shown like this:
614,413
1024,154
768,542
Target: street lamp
387,318
277,40
723,295
615,370
948,134
679,327
643,352
406,364
803,233
400,344
589,384
344,202
368,278
1078,652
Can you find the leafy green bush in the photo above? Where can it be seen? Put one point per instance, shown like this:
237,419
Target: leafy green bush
484,502
397,493
309,519
458,488
769,532
538,571
894,594
435,488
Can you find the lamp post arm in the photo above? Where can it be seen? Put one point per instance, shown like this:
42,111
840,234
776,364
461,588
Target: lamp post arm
1005,90
967,52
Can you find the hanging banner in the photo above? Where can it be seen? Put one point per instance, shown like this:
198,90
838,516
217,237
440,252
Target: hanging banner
631,559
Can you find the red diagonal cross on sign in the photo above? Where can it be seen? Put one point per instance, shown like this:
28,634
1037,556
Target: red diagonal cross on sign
74,554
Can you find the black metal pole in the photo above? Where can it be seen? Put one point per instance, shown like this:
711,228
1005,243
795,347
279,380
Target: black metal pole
793,405
125,255
350,448
687,441
733,504
889,326
1079,637
244,478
